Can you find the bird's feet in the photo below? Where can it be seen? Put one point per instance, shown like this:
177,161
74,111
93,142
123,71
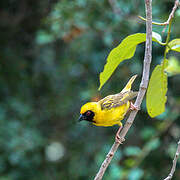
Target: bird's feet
119,139
133,107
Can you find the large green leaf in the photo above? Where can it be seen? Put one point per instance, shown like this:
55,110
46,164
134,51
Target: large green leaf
125,50
174,45
156,93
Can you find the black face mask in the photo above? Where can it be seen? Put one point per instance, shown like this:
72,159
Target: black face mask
87,116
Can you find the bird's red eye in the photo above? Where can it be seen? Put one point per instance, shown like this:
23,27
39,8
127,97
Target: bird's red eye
88,113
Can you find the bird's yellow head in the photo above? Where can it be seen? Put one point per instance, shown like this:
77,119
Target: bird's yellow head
88,112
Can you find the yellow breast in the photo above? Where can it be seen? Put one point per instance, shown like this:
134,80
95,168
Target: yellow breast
110,117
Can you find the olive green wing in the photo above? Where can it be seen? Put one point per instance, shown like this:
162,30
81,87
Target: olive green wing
116,100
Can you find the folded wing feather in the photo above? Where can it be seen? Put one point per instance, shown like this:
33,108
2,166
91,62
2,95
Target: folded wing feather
116,100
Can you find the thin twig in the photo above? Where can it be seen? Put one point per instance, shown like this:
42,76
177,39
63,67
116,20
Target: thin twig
174,163
142,91
176,4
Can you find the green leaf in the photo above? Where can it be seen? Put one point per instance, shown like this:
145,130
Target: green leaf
125,50
156,37
174,45
173,67
156,93
176,48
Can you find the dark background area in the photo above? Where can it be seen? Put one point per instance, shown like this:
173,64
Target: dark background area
51,54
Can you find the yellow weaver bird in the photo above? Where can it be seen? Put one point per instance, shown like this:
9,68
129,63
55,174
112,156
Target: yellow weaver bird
111,109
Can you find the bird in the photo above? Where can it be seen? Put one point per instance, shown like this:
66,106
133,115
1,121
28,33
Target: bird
110,110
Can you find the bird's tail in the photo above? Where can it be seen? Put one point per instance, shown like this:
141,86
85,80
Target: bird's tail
128,85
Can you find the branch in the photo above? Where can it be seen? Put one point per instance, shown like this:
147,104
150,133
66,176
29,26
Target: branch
174,163
142,91
176,4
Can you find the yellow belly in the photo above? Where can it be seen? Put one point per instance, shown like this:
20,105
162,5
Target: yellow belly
112,116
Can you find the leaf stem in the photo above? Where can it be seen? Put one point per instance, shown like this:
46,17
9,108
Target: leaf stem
176,4
166,43
153,22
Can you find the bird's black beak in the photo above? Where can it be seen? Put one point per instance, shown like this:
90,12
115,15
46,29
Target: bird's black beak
81,117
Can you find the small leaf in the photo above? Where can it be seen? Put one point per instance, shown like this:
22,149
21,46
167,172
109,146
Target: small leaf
173,67
156,93
156,37
125,50
176,48
174,45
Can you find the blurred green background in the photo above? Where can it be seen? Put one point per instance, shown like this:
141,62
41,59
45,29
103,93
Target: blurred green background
51,54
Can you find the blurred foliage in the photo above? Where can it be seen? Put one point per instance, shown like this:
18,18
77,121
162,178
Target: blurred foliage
51,55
